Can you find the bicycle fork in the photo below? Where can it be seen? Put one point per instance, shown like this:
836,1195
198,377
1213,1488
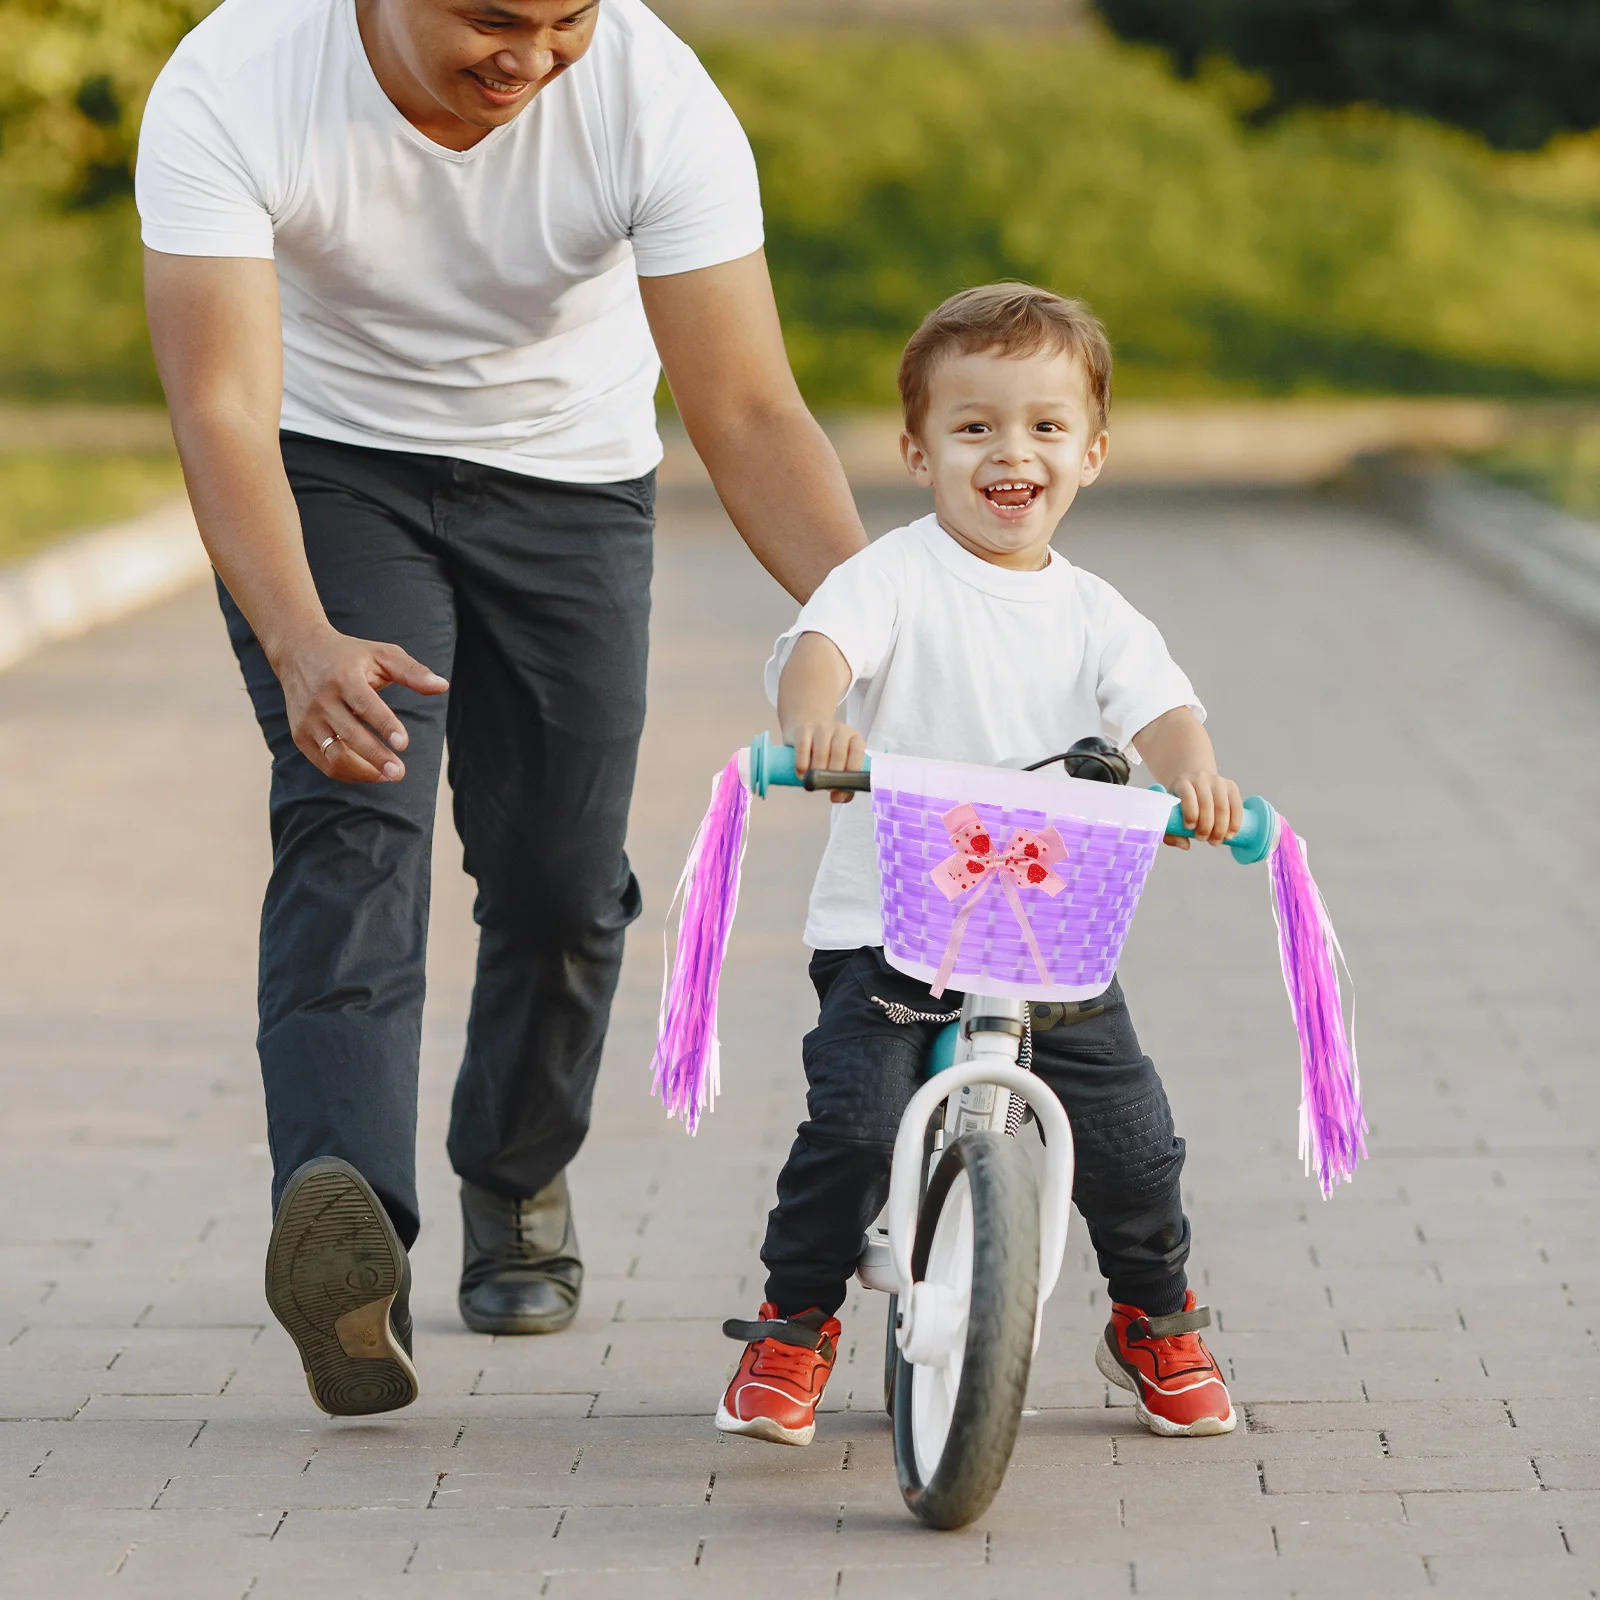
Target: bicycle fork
975,1093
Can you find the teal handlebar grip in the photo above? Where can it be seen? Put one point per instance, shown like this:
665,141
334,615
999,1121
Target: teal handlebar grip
1257,836
766,764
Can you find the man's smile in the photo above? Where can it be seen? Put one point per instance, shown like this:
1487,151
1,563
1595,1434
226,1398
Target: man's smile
501,90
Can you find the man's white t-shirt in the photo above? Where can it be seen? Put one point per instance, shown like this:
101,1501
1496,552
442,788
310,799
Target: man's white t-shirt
954,658
480,303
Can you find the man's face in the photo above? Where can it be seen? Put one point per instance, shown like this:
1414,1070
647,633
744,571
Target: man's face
482,61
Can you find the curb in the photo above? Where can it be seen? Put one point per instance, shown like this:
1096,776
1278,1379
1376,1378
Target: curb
76,585
1549,554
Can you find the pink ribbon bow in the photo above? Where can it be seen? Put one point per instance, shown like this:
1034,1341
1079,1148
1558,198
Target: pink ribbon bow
1024,863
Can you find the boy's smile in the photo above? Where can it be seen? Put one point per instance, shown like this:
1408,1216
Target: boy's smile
1006,444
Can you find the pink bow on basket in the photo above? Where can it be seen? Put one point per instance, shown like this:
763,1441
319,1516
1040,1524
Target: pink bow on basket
1025,861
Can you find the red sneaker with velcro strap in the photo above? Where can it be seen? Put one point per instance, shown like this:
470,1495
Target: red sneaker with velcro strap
1177,1386
781,1376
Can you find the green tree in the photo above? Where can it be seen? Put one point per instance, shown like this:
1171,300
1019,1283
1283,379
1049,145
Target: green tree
1514,71
1328,251
73,79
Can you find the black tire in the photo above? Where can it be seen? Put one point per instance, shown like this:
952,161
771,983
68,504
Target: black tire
891,1355
999,1344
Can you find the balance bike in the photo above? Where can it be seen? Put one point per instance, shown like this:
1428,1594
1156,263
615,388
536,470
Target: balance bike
973,1241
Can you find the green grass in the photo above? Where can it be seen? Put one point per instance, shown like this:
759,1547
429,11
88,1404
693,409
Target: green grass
46,496
71,301
1560,464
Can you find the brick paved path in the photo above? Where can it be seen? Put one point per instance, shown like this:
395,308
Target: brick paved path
1415,1359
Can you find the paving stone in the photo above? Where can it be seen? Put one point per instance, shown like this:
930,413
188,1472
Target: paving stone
1413,1358
1089,1579
1282,1578
1558,1577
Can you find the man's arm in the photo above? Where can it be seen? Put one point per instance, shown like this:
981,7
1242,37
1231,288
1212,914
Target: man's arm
219,349
717,331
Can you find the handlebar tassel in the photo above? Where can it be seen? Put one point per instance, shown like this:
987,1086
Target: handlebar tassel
687,1066
1333,1127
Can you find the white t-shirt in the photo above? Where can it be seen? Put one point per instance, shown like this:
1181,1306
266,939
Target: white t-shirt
955,658
479,303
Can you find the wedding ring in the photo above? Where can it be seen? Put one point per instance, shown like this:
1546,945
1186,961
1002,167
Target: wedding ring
332,738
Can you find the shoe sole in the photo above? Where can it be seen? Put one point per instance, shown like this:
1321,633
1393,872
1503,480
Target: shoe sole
334,1267
1206,1427
762,1428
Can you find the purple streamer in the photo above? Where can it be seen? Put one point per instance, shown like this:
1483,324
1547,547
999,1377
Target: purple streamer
1333,1128
687,1065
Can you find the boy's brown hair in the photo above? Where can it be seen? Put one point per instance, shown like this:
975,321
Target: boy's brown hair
1012,319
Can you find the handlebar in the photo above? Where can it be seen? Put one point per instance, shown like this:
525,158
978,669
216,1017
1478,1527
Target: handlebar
766,764
1257,836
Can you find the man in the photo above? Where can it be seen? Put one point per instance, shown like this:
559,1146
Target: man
409,263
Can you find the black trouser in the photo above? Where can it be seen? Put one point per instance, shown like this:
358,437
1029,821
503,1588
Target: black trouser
863,1069
533,598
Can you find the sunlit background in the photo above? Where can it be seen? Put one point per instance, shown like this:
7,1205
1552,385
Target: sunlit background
1267,198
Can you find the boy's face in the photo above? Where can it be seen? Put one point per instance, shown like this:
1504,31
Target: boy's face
1006,445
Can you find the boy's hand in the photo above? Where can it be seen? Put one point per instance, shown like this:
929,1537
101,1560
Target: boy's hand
1212,806
827,747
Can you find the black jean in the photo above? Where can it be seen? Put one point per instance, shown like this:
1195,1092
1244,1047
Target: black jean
862,1070
533,598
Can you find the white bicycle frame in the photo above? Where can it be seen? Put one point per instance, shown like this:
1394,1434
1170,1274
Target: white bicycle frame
981,1084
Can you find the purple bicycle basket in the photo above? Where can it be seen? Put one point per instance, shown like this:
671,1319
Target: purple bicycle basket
1111,836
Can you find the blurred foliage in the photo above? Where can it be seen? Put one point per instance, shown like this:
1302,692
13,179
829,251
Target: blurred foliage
1326,251
44,495
1515,71
71,309
1558,463
1355,251
73,79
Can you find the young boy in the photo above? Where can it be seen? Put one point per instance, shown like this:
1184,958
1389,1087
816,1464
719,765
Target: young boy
964,636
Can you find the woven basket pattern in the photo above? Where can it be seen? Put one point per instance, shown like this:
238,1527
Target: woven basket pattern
1080,931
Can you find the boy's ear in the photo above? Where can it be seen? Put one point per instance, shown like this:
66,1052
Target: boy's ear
916,459
1094,459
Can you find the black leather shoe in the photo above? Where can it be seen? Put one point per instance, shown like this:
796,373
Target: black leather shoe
339,1281
520,1271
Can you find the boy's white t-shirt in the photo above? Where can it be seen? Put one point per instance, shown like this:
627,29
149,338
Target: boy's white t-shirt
954,658
480,303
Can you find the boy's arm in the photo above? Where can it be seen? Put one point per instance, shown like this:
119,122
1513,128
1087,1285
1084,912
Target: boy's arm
814,680
1178,752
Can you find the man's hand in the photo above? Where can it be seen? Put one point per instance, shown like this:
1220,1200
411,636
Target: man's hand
827,746
1212,806
340,725
215,328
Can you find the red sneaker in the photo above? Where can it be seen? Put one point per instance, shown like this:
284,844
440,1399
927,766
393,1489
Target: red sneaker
1177,1388
781,1376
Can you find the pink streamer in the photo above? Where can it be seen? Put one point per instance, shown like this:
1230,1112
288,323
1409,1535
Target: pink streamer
687,1065
1333,1128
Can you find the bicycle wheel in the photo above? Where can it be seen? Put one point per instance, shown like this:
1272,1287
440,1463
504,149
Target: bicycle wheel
956,1418
891,1355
